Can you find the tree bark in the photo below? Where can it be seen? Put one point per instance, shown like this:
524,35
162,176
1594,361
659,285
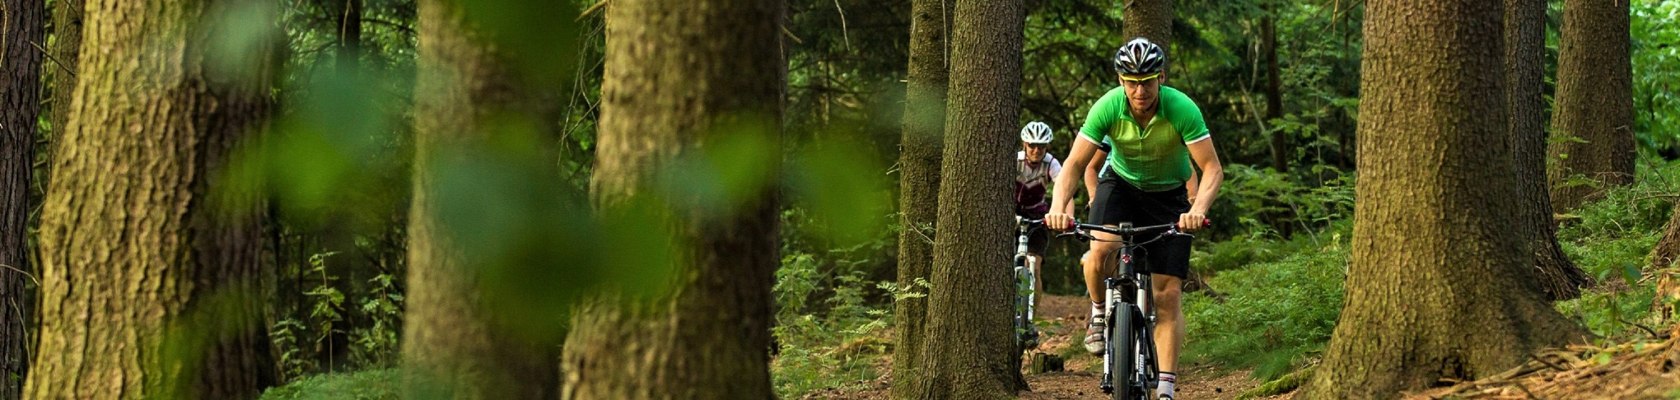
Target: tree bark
20,68
969,348
1151,19
1665,262
456,344
709,336
918,168
1437,288
1593,114
66,43
1525,49
150,256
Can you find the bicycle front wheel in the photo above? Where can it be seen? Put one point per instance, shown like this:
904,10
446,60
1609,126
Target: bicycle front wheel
1122,347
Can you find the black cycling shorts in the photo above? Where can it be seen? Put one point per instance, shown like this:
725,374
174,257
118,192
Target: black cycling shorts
1038,238
1119,201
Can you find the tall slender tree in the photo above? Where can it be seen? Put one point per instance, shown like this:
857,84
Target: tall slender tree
1274,85
66,45
150,254
1592,120
969,348
1436,287
1525,48
918,169
457,343
20,69
709,336
1148,18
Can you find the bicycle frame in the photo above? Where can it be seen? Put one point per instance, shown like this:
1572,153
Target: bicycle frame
1026,280
1127,277
1129,280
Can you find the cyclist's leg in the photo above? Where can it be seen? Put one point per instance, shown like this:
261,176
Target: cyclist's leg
1169,320
1169,263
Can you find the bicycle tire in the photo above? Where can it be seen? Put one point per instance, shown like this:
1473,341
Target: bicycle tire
1122,346
1021,321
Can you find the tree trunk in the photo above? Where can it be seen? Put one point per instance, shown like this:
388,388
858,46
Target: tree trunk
20,68
1274,89
1437,288
1525,49
1665,262
709,336
1151,19
969,343
348,13
66,43
457,344
150,257
1593,114
918,168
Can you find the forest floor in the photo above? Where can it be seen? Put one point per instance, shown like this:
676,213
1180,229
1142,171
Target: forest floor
1068,316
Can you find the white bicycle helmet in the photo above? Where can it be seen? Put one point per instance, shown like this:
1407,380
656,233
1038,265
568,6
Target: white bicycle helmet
1036,133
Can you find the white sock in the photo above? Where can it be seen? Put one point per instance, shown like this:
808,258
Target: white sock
1096,309
1165,386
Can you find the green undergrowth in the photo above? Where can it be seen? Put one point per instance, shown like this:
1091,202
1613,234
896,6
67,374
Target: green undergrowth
379,384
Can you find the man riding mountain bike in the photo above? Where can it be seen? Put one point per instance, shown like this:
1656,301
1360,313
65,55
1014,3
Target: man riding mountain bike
1156,132
1036,168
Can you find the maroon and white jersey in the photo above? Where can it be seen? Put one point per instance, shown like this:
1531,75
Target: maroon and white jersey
1031,184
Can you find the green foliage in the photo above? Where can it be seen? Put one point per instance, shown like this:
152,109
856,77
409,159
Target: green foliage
1610,242
1656,83
827,341
1270,315
1257,202
378,384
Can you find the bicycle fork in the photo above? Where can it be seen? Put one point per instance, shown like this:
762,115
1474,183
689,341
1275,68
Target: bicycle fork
1143,302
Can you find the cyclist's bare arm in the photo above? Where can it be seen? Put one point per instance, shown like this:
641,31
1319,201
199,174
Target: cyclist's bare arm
1213,174
1091,171
1073,169
1190,187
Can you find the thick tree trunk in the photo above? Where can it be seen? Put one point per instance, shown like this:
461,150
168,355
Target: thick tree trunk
1525,49
1151,19
20,69
1437,288
150,257
969,348
918,168
1593,114
456,344
709,337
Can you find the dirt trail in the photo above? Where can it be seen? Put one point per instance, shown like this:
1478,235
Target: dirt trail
1068,316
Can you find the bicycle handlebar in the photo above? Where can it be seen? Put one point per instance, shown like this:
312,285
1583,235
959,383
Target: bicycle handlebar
1081,231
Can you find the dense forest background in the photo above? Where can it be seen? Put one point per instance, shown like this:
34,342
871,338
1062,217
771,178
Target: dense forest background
471,136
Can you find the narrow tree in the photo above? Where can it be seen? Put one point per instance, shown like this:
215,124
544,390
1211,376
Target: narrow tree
968,350
66,43
1274,86
1592,120
918,169
20,68
1525,49
1667,250
150,254
709,337
1437,287
1152,19
456,343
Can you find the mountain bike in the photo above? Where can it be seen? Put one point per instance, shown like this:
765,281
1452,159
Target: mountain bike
1026,298
1129,362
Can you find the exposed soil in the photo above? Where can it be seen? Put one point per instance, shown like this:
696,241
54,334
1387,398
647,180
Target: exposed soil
1068,316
